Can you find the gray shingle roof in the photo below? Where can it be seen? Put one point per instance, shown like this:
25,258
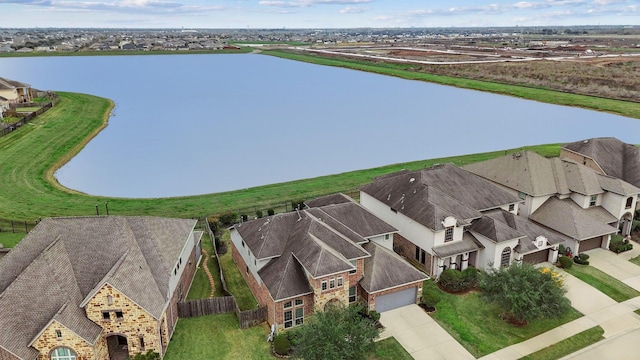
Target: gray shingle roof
566,217
284,277
332,199
467,244
67,258
356,218
428,196
385,270
527,228
497,231
10,84
615,157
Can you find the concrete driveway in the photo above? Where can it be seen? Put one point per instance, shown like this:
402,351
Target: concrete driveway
617,265
420,335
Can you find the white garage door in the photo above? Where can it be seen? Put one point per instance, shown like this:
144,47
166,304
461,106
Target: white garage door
396,299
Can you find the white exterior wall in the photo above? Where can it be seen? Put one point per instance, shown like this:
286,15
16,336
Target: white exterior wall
247,256
582,200
385,240
492,252
438,238
535,203
409,229
184,255
615,204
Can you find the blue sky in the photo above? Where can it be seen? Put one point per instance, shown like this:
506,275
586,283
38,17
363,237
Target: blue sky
314,13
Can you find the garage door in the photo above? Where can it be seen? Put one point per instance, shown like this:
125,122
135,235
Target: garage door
537,257
590,244
396,299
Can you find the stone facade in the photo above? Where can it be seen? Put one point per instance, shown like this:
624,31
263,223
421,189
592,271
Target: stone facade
49,341
337,293
407,249
125,318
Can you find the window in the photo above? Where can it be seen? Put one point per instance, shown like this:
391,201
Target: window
512,207
141,342
255,262
63,353
387,237
522,195
505,258
324,285
332,283
242,243
109,300
417,253
629,203
175,271
58,334
352,294
423,255
287,305
593,200
247,269
119,315
288,319
299,316
340,281
299,302
448,234
106,316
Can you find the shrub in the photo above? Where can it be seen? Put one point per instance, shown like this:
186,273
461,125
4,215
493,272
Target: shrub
470,277
619,244
270,212
374,315
228,218
581,259
258,214
297,204
451,280
281,344
213,223
561,249
565,262
430,295
244,217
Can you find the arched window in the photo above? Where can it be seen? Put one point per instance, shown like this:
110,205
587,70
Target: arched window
629,203
505,258
63,353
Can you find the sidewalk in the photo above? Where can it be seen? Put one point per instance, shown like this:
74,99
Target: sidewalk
618,265
615,318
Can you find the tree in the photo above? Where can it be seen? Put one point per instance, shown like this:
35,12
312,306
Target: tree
337,333
525,293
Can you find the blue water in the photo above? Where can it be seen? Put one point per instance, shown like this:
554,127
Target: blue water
195,124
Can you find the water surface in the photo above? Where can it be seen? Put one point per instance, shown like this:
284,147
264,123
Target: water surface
195,124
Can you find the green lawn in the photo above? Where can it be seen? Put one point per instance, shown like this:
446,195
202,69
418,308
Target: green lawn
477,325
637,311
201,287
636,260
9,239
235,282
27,109
610,286
625,108
569,345
218,337
389,349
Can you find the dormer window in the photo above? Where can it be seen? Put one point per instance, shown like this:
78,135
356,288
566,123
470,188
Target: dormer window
593,200
448,234
629,203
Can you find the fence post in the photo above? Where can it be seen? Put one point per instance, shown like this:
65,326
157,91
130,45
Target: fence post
13,230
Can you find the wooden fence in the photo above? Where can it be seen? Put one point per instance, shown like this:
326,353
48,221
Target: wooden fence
9,128
249,318
201,307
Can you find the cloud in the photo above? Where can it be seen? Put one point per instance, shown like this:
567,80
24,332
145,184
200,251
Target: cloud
353,10
126,6
308,3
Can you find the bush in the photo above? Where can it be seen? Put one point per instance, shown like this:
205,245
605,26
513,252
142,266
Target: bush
270,212
228,218
581,259
258,214
213,223
471,277
430,295
619,244
561,249
457,281
374,315
565,262
297,204
281,344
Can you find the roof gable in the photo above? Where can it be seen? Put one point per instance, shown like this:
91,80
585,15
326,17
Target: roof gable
385,270
566,217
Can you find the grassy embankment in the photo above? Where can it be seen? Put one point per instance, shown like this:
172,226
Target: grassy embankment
30,156
624,108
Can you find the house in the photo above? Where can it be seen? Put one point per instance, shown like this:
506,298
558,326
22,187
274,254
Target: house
607,156
4,106
565,196
334,252
450,218
103,287
15,91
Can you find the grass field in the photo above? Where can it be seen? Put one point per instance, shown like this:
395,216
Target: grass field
30,156
624,108
477,325
201,287
610,286
27,109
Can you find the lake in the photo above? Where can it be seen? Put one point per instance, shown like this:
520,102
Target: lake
195,124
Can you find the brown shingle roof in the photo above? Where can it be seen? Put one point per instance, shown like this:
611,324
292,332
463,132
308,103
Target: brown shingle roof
468,244
566,217
67,258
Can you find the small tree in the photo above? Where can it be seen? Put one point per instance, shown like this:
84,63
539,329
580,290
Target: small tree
337,333
524,292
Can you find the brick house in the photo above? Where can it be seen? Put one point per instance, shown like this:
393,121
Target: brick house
450,218
334,251
566,196
103,287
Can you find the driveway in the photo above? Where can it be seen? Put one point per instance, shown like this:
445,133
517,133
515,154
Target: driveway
420,335
617,265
